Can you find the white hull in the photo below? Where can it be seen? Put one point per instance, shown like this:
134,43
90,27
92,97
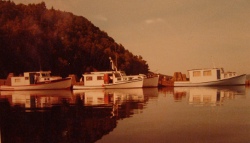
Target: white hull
237,80
123,84
151,81
126,84
80,87
55,84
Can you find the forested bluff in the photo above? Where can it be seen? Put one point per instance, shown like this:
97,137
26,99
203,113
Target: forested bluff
33,38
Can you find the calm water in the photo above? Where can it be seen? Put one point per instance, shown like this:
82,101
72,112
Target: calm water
207,115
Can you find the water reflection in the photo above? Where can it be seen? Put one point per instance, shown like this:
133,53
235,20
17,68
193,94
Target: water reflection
66,116
212,96
124,102
36,99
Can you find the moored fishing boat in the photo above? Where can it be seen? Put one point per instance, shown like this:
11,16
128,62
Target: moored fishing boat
148,81
108,79
36,81
211,77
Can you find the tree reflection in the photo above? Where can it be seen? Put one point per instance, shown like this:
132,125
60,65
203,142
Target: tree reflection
41,117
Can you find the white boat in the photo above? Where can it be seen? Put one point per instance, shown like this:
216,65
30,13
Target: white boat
36,81
152,81
148,81
212,77
108,79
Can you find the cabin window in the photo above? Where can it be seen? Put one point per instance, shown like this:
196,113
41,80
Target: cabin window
207,99
207,73
196,73
225,75
18,80
100,100
88,78
89,100
45,74
99,77
117,75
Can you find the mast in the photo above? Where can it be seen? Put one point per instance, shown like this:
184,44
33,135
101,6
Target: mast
112,64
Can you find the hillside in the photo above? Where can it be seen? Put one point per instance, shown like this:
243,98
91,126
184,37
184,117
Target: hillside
33,38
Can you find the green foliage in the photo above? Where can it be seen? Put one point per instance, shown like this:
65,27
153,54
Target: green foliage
34,38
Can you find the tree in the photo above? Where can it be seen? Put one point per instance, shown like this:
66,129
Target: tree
35,38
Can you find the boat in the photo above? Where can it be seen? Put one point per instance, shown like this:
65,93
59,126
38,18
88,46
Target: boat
109,79
210,77
151,81
36,81
148,81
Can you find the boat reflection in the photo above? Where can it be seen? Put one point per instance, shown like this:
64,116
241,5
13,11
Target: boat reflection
124,102
212,96
66,116
36,99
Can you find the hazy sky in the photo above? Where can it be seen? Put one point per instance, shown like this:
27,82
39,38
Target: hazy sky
172,35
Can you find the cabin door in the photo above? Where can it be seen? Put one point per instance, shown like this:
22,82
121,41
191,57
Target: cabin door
32,78
218,74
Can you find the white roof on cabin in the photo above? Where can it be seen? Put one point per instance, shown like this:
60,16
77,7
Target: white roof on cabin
205,69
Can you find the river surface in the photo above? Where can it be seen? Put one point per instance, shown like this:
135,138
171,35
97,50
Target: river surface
149,115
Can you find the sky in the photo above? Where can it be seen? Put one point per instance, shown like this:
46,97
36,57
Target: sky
172,35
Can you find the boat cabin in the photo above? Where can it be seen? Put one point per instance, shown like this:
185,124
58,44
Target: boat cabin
33,78
100,78
206,75
44,76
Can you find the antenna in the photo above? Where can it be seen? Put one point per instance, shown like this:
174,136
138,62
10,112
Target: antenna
116,57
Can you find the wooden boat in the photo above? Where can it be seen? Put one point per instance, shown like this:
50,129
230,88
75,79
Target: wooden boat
211,77
37,81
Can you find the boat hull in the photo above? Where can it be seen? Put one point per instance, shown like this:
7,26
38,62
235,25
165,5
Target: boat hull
237,80
123,84
127,84
81,87
151,81
55,84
